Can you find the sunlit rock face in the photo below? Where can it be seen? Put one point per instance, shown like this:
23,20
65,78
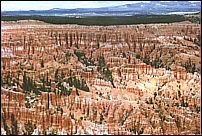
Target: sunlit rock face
122,80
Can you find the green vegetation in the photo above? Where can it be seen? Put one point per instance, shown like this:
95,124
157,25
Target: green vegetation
196,108
85,60
194,19
104,70
80,84
77,83
29,85
42,64
59,109
125,117
150,100
136,130
155,94
101,118
177,122
177,104
77,93
9,80
101,20
6,127
67,55
107,75
179,94
54,132
14,127
183,103
79,54
138,56
140,131
29,127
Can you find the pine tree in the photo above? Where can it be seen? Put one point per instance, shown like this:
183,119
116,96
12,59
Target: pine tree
77,93
193,68
6,128
43,87
77,46
24,85
98,45
154,46
47,79
177,123
151,101
179,94
66,37
155,95
14,125
8,78
56,75
29,128
62,75
70,40
60,39
183,104
42,64
134,46
101,118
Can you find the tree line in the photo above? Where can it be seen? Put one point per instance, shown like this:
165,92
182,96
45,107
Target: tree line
100,20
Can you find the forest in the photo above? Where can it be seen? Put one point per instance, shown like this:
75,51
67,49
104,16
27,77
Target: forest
100,20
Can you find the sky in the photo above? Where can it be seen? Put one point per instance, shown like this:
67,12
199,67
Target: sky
44,5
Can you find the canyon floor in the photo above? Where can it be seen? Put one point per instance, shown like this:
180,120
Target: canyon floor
121,79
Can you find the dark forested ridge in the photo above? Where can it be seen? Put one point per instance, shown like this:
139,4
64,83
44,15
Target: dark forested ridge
101,20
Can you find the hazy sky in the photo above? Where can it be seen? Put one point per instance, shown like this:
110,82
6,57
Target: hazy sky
41,5
44,5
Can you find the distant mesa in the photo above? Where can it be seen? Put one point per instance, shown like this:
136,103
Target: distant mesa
154,7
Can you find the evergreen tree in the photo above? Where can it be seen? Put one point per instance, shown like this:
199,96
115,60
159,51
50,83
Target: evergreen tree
77,93
47,79
183,104
43,87
151,101
193,68
91,52
129,59
134,47
124,54
154,46
70,39
101,118
6,128
42,63
24,85
177,123
98,45
179,94
62,75
56,76
8,78
155,95
69,92
14,125
66,37
77,46
141,131
29,127
60,39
